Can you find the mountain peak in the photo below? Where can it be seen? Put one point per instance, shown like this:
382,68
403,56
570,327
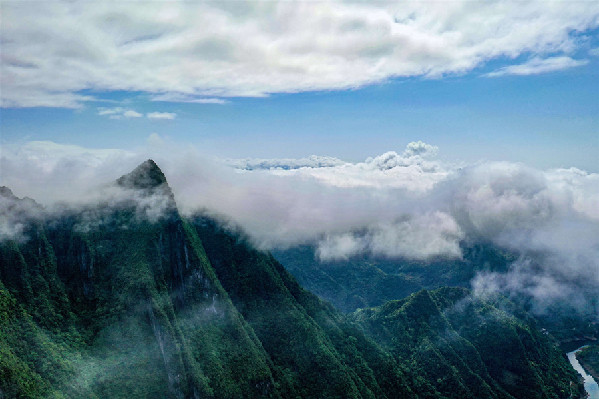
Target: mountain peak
146,176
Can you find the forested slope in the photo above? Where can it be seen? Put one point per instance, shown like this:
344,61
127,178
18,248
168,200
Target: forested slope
126,298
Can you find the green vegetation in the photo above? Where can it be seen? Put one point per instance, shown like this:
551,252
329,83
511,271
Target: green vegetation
102,303
589,359
364,281
470,348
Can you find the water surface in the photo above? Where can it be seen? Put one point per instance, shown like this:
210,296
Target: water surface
590,385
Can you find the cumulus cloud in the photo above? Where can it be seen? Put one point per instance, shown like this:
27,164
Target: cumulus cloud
547,218
514,205
404,204
420,149
414,173
54,52
539,65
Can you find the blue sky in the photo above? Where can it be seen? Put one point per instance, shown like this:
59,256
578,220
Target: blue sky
91,89
543,116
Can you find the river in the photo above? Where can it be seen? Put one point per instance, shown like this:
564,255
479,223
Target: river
590,385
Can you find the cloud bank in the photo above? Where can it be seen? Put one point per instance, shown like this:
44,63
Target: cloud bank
400,205
54,54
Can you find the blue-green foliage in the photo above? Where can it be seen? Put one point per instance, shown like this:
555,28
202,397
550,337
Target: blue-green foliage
364,281
118,306
589,359
471,348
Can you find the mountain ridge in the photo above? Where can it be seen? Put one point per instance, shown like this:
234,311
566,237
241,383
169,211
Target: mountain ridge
146,175
185,308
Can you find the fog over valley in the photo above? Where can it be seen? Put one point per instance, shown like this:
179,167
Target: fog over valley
398,205
311,200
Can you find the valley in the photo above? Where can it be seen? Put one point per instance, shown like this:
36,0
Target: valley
128,298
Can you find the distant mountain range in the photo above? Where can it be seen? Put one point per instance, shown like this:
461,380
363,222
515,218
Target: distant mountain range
128,299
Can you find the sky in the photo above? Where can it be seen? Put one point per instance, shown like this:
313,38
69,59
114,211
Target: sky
391,129
483,81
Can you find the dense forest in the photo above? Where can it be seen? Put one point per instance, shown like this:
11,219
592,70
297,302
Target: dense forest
365,281
118,300
589,359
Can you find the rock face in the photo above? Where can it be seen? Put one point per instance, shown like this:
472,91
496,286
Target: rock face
145,177
184,308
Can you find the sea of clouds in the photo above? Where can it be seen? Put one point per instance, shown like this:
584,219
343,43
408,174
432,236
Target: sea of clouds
405,204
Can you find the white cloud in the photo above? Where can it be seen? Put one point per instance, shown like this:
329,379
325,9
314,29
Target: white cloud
412,170
132,114
184,98
420,149
313,161
209,101
124,113
421,236
53,51
341,246
118,113
409,205
539,65
51,172
545,285
161,115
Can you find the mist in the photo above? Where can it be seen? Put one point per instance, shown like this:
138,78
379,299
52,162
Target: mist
405,204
